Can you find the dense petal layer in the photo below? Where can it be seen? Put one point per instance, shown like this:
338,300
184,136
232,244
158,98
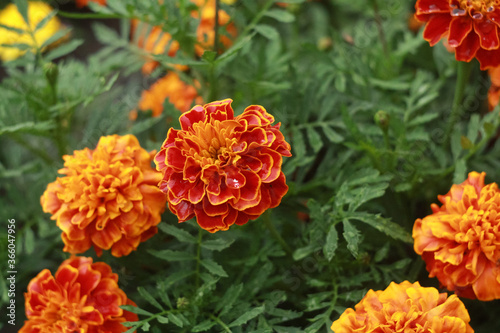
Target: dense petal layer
81,297
108,197
408,308
223,169
460,241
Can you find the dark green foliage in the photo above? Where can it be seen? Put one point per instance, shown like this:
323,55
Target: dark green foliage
322,69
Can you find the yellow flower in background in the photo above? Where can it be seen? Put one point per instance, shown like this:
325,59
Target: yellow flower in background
11,17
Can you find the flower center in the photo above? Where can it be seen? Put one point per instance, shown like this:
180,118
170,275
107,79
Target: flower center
215,145
477,9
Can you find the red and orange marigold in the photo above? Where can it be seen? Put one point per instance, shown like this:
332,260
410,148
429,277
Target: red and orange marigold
471,26
81,297
405,307
460,241
108,198
494,91
223,169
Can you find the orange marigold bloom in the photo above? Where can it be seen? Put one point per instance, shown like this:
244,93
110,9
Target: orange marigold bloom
221,168
460,241
108,197
179,93
83,3
494,91
206,29
81,297
153,40
471,26
405,307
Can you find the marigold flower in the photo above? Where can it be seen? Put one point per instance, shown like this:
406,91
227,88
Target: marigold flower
83,3
179,93
10,17
494,91
206,29
81,297
108,197
471,27
460,241
405,307
223,169
155,41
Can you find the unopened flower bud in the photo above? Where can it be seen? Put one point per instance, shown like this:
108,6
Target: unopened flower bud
382,119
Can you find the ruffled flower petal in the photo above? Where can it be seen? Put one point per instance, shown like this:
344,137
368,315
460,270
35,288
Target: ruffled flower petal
221,168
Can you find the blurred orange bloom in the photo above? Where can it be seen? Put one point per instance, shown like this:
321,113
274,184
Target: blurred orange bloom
153,40
108,198
170,87
83,3
81,297
156,41
205,32
407,308
460,241
494,91
221,169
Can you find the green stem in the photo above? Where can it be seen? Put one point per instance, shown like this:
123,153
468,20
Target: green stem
378,22
221,323
275,233
87,15
256,19
464,69
198,258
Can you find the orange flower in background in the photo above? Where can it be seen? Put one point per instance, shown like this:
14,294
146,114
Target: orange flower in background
108,198
460,241
405,307
471,27
153,40
170,87
494,91
206,29
83,3
223,169
81,297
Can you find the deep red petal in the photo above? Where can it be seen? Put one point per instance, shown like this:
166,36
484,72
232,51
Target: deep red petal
187,119
234,178
225,193
488,34
184,210
460,27
214,210
467,50
197,192
178,186
192,169
220,110
432,6
243,218
209,223
488,58
251,190
277,190
175,158
437,27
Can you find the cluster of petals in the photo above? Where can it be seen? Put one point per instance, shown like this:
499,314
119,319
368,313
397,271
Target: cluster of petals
223,169
10,17
494,91
108,198
171,87
81,297
471,27
206,29
460,241
405,307
156,41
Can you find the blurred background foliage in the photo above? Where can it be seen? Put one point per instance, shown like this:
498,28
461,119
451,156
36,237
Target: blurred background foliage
363,101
